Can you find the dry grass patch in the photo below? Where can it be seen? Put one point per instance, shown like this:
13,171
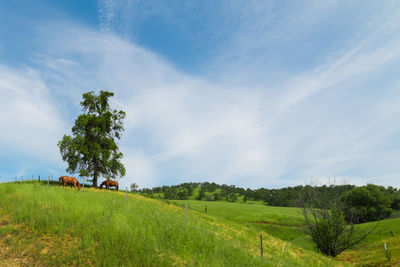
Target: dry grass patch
373,254
22,246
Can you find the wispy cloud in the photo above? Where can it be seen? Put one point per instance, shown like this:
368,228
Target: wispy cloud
28,113
246,119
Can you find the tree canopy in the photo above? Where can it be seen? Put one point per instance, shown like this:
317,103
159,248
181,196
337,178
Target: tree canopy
92,151
368,203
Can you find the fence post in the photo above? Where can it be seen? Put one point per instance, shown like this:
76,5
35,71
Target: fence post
388,253
39,178
186,212
15,178
83,185
22,177
48,180
262,245
126,195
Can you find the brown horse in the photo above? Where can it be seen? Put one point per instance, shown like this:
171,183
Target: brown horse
109,183
66,180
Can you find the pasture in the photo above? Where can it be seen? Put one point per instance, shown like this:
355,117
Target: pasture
285,223
50,225
247,212
281,222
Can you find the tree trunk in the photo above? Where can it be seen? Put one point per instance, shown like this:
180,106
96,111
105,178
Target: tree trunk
95,174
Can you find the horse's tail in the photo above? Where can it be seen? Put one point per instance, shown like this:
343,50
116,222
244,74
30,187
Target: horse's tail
101,185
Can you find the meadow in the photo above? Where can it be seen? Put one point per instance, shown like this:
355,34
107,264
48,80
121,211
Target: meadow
55,226
285,223
282,222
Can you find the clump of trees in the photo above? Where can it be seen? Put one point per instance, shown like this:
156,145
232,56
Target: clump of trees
283,197
368,203
134,187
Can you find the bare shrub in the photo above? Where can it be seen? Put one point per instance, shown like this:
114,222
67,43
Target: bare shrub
325,222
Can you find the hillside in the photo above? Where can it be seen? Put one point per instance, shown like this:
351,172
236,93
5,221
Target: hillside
48,225
281,222
285,223
371,252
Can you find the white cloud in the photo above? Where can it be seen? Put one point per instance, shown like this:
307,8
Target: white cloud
29,115
140,171
312,124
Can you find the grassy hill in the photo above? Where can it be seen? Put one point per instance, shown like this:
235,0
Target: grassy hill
371,252
49,225
281,222
285,223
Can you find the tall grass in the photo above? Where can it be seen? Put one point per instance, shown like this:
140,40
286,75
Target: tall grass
371,251
247,212
111,232
282,222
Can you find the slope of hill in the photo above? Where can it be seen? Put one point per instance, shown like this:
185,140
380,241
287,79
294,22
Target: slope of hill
282,222
285,223
371,252
46,225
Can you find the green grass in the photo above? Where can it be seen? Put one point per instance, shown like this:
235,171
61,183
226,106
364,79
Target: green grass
60,226
383,230
283,223
371,252
247,212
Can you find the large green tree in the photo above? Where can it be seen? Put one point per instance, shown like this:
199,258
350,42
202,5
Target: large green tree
92,151
369,203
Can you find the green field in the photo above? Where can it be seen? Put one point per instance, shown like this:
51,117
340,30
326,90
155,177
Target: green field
285,223
247,212
50,225
282,222
371,252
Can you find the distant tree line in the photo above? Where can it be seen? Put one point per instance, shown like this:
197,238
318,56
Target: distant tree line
368,203
181,191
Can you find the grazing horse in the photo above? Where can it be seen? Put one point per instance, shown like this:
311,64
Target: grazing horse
109,183
65,180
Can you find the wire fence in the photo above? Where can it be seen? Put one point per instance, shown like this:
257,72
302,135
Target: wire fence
49,179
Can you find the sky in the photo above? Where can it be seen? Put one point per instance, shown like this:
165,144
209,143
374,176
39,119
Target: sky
251,93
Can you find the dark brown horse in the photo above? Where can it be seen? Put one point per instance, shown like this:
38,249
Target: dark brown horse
109,183
66,180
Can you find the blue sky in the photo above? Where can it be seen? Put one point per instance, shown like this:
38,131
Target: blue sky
251,93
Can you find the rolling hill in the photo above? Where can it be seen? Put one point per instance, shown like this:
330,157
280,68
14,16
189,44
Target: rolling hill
53,226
